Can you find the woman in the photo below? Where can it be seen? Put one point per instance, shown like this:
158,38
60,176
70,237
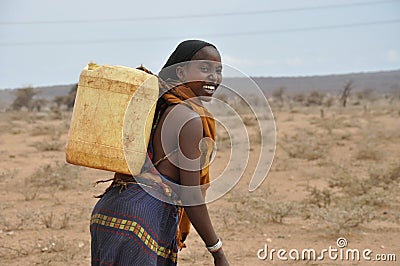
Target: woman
128,225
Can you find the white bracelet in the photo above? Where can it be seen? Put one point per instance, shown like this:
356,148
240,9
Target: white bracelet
216,247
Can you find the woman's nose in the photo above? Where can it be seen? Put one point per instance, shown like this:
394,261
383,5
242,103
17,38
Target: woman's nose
213,77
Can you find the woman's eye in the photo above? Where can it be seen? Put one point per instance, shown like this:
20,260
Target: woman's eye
204,69
219,71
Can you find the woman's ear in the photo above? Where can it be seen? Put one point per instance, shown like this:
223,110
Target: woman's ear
180,73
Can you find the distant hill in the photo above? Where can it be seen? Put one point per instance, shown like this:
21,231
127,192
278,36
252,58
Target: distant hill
7,96
381,82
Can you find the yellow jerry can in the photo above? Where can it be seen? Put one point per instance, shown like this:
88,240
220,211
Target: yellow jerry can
112,118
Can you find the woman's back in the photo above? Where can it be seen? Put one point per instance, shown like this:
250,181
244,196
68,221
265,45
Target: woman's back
166,139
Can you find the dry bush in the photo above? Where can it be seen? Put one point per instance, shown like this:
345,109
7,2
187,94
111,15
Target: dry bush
24,219
328,123
277,211
241,107
56,114
348,184
4,128
350,201
8,174
29,192
41,130
11,253
319,198
24,116
221,96
315,98
342,220
366,95
68,100
56,176
304,146
250,121
18,116
329,101
387,179
367,191
52,143
58,251
48,145
223,140
48,220
299,98
264,209
24,98
65,219
367,151
342,212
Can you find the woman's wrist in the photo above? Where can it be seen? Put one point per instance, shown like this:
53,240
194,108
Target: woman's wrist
218,254
214,248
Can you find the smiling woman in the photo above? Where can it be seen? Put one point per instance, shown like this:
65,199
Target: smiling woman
144,220
204,73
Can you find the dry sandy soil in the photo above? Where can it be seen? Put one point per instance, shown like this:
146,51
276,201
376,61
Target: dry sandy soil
332,176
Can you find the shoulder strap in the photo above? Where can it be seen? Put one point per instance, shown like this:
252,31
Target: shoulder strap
165,157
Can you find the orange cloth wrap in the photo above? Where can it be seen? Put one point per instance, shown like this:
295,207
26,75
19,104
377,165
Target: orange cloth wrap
177,95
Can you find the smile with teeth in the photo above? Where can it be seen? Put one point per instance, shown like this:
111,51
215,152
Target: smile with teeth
209,89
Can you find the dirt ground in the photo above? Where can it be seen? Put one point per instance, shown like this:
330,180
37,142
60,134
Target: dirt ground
335,175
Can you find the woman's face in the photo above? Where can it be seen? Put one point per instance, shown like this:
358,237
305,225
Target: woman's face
203,74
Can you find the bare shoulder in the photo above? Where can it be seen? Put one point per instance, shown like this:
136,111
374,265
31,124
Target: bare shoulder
181,116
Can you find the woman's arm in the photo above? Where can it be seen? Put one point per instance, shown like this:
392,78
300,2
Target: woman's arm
190,136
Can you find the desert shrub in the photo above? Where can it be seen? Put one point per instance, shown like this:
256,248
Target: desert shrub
264,209
68,100
241,107
277,211
349,184
278,93
299,97
56,176
319,198
65,219
48,145
363,191
58,251
315,98
329,101
250,121
350,201
4,128
344,219
385,179
305,147
8,174
222,97
40,130
39,104
223,140
56,113
48,220
29,192
367,151
24,219
346,92
24,98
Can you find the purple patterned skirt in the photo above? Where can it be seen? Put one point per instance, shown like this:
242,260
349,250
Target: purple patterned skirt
131,227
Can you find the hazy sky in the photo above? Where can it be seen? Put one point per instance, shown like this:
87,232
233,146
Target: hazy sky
48,42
